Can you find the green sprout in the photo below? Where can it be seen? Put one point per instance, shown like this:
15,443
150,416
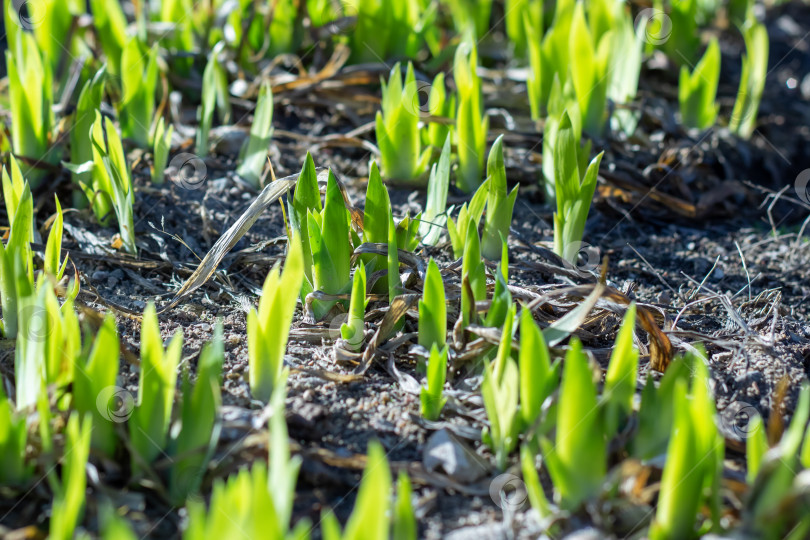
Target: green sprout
431,395
197,438
323,232
160,154
549,57
255,502
352,331
111,28
499,204
69,492
15,189
16,257
94,389
538,376
694,463
214,95
397,128
521,17
558,107
404,522
331,250
625,70
441,108
468,215
149,424
433,309
470,15
589,74
13,440
471,122
81,146
473,276
575,186
58,344
435,215
777,478
620,380
683,43
501,297
394,279
752,82
385,29
370,518
269,327
111,175
30,100
139,77
254,151
697,91
500,391
577,460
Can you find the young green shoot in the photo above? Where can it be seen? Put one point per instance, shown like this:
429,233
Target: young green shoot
30,97
13,439
69,496
162,146
441,107
500,391
431,395
254,152
697,91
112,177
331,251
694,463
353,330
620,380
94,389
370,518
471,122
473,277
752,82
589,74
575,187
139,76
469,214
435,215
500,204
149,424
81,147
214,94
195,441
269,327
397,128
433,309
577,460
538,376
